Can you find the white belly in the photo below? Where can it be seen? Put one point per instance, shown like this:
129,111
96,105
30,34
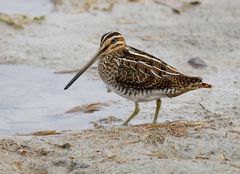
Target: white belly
140,96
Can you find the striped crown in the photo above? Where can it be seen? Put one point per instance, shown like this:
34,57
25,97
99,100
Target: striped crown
112,41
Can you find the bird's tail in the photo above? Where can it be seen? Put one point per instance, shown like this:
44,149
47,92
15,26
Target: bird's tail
205,85
197,82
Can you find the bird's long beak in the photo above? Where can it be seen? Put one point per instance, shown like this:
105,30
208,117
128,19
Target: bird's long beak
93,60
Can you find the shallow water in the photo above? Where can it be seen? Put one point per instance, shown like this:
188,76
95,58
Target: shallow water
34,99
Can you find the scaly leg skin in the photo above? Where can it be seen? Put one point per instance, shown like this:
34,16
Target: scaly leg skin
135,112
158,105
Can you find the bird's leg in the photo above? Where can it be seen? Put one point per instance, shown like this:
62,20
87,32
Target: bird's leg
158,105
135,112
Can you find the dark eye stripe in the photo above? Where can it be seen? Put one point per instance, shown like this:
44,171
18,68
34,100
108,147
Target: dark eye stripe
105,48
112,47
117,45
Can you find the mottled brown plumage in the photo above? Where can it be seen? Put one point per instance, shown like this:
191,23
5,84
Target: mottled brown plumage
138,76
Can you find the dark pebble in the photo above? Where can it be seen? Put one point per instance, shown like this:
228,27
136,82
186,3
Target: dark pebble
76,165
83,166
60,163
195,3
66,145
196,62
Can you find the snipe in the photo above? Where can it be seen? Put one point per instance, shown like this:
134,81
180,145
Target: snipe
136,75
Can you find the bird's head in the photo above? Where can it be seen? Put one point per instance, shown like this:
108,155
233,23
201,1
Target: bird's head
111,41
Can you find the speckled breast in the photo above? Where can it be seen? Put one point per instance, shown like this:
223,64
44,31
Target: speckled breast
107,69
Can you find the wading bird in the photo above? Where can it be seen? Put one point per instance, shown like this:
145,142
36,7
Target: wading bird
137,75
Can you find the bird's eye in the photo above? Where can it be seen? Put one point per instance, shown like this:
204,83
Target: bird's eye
114,41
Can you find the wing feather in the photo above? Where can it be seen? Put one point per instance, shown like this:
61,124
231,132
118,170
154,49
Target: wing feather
140,70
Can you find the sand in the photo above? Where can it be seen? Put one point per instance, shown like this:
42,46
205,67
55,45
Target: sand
198,132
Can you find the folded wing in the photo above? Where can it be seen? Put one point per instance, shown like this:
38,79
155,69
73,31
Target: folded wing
139,70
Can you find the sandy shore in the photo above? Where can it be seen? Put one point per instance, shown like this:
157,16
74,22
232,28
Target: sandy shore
178,147
198,132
